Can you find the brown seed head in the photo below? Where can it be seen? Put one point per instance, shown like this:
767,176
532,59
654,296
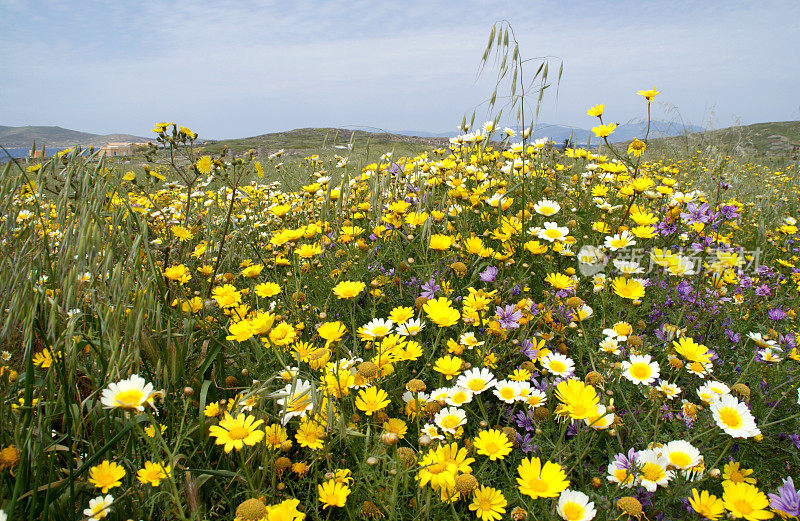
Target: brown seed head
466,483
630,506
594,378
416,386
251,510
367,369
541,414
281,464
742,391
574,302
406,456
634,341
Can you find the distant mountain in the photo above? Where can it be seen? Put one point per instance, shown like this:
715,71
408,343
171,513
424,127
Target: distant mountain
558,133
58,137
423,133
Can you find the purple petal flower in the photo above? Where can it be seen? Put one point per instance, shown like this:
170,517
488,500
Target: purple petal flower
489,274
787,499
508,316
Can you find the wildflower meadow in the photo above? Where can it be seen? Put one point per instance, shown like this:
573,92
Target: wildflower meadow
496,329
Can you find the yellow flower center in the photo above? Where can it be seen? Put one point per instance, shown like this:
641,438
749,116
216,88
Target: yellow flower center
736,477
477,384
437,467
557,366
744,507
572,511
652,472
507,393
238,433
450,422
621,475
680,459
640,371
130,398
537,485
459,398
730,417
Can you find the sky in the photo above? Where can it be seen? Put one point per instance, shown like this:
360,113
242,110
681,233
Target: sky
236,69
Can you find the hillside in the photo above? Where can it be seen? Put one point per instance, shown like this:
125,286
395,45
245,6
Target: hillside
759,139
57,137
304,141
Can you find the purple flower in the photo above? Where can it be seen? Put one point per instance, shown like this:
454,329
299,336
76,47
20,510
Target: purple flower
525,442
528,349
696,214
489,274
430,288
525,420
776,314
763,290
626,461
667,228
733,337
787,499
730,211
508,316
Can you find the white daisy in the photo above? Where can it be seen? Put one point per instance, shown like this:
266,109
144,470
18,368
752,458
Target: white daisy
711,392
411,327
476,379
376,328
458,396
641,369
654,471
295,399
130,394
575,506
450,419
546,207
669,390
619,241
553,232
558,364
682,454
733,417
99,507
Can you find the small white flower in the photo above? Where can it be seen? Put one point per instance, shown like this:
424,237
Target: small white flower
575,506
476,379
733,417
558,364
450,419
129,394
641,369
99,507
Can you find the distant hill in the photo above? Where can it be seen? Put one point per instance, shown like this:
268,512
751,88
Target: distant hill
764,138
759,139
558,133
18,137
303,141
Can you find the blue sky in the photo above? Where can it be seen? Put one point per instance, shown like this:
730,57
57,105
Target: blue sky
233,69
